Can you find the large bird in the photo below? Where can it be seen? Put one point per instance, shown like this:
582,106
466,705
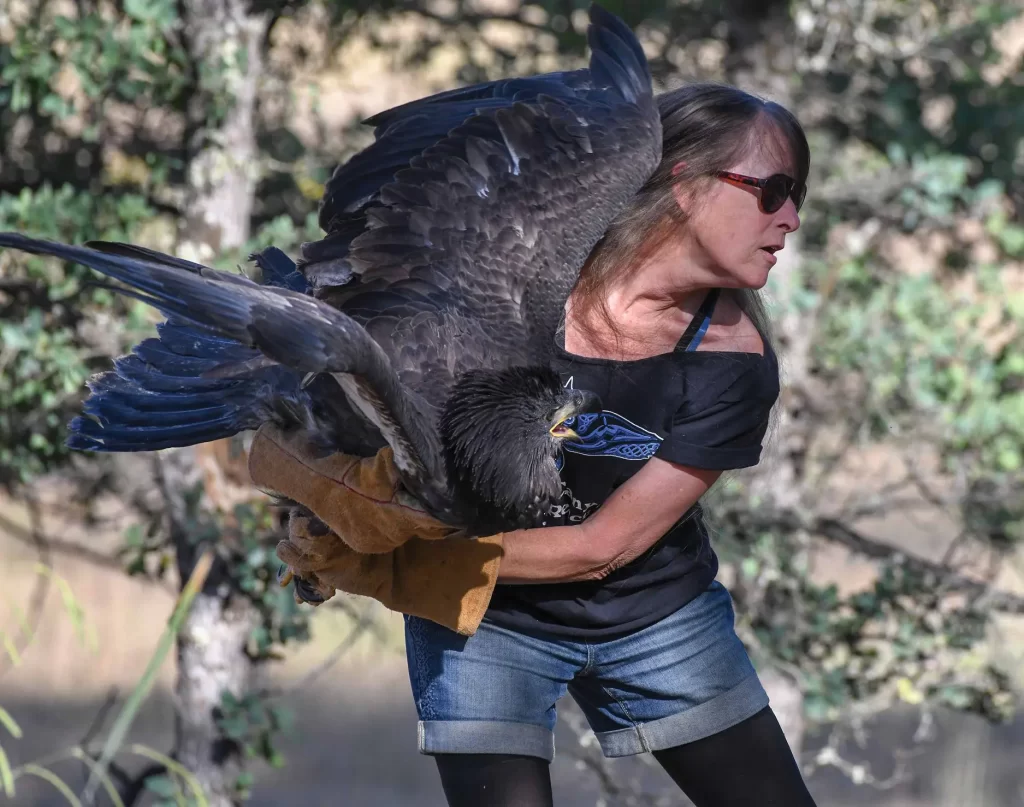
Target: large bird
425,317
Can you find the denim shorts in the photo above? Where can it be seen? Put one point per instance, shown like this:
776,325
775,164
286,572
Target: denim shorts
679,680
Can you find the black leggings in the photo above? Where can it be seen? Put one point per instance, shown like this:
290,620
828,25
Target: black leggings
747,765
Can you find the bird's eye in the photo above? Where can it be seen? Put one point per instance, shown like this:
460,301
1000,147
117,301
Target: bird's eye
569,422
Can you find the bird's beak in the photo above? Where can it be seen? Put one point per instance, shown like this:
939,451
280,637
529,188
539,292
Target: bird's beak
563,432
581,403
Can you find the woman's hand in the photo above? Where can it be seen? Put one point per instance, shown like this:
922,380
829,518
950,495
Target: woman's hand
358,498
629,523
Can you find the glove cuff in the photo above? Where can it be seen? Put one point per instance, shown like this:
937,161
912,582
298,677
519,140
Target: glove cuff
358,497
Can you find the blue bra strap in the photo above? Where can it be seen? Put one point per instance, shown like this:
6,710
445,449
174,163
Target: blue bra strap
699,324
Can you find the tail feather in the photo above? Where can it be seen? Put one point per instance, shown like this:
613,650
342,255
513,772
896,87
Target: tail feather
132,369
88,435
617,58
158,396
140,406
171,413
182,338
156,353
110,401
279,270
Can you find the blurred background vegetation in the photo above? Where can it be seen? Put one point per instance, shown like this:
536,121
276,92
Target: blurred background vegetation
875,555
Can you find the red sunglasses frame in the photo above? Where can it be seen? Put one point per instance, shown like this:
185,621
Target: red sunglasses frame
797,191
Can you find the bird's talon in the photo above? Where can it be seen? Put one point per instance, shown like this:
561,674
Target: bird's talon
307,592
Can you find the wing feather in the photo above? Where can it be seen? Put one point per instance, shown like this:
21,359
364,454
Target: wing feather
291,328
451,244
491,222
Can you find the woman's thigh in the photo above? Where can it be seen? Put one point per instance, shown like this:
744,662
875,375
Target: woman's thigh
491,693
684,678
749,764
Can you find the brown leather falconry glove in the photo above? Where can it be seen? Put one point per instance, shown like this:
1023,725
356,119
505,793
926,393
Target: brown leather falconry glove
370,537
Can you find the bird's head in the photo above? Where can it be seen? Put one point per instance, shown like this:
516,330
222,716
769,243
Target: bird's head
502,431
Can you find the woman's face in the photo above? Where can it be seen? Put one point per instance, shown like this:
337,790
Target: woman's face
730,240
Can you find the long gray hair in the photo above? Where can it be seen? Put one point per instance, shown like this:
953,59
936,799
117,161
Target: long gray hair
708,127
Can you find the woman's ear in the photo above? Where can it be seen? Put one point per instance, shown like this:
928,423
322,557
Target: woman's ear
678,168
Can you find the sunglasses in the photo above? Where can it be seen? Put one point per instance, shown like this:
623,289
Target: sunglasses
774,191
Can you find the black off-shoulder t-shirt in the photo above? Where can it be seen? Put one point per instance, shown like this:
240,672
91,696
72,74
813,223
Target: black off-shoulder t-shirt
703,409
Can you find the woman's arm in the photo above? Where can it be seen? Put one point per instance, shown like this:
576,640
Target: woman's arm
628,524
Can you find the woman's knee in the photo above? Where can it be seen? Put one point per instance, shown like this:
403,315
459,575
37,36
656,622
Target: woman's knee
749,764
497,780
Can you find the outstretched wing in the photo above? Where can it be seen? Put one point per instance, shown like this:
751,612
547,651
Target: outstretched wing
462,260
404,132
286,326
163,395
481,235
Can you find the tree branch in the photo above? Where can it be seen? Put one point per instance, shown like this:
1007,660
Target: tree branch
70,549
364,624
832,529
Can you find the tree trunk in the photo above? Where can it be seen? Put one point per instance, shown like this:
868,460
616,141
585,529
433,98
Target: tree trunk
759,61
211,660
211,646
779,477
227,41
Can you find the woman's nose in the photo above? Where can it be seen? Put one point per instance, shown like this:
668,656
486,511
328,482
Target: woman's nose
790,218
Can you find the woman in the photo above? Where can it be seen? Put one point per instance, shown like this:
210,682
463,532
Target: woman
619,604
616,600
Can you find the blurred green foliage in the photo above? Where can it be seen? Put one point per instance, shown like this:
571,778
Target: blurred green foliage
42,354
135,61
904,637
255,723
243,540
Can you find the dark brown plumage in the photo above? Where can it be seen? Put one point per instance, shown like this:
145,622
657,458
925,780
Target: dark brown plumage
451,244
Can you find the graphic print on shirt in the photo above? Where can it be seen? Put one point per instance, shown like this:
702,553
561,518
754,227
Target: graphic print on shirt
609,434
605,434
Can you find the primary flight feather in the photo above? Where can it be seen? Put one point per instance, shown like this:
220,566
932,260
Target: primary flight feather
425,317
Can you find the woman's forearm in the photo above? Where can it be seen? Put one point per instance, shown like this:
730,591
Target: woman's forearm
630,522
587,551
550,555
